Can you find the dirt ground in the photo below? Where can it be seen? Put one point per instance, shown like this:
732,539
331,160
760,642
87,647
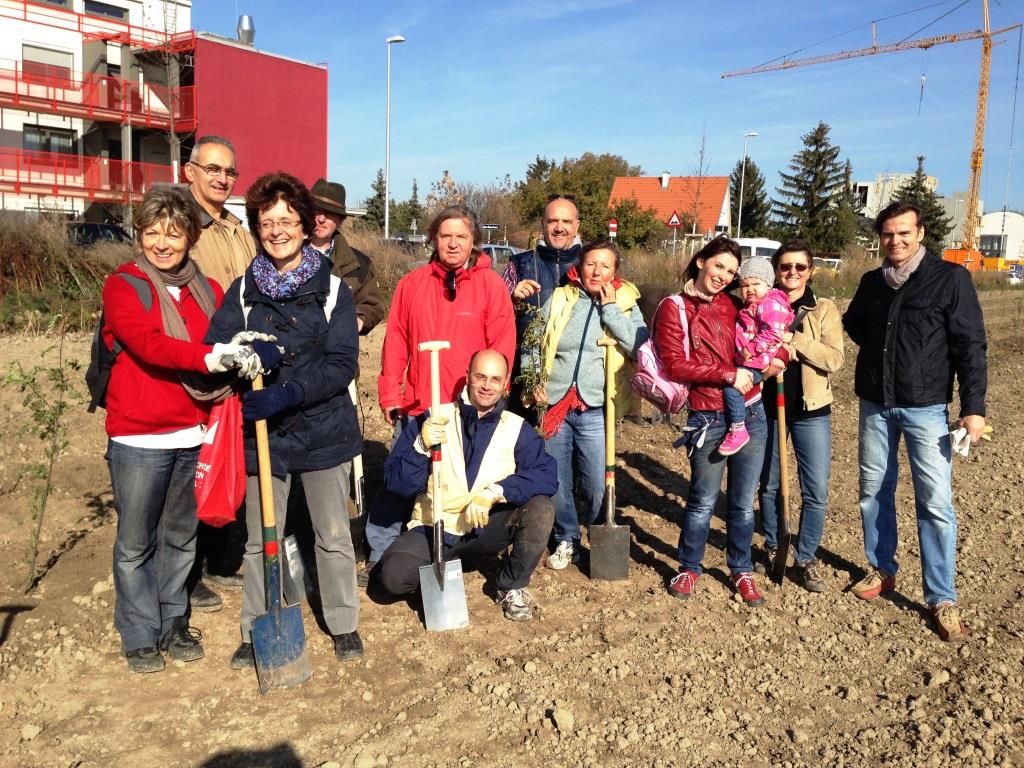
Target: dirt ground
609,674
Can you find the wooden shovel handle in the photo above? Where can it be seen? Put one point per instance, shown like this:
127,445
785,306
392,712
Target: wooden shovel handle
263,462
609,412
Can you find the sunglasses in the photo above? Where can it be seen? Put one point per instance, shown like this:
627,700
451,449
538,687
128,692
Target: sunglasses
570,198
799,266
449,286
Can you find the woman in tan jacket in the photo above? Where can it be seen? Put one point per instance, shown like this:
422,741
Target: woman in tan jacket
811,353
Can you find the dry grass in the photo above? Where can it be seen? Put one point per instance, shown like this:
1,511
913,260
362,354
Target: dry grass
390,260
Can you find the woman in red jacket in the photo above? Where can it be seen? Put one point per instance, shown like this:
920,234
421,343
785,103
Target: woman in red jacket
158,308
711,316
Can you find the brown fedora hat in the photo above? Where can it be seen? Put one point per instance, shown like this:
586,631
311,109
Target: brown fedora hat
329,195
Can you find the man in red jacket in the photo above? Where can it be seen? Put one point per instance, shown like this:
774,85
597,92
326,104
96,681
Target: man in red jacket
455,297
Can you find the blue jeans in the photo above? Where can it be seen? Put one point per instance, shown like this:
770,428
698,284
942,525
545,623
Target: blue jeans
389,512
812,442
154,493
925,430
732,398
707,467
579,440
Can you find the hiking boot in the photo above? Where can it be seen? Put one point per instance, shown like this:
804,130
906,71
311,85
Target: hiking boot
810,577
682,584
564,554
747,589
764,564
204,600
348,646
243,657
948,624
363,574
226,580
144,660
734,441
516,604
181,642
874,584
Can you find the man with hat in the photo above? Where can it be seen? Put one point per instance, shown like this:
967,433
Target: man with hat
352,266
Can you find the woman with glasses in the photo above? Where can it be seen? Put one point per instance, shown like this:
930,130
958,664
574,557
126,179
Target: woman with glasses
811,353
595,303
711,315
288,291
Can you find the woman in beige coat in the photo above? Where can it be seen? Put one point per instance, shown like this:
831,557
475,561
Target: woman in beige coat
811,353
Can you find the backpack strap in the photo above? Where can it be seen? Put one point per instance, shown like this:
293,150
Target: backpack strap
676,299
102,361
332,300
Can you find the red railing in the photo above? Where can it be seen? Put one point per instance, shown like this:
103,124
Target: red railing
95,28
96,97
23,172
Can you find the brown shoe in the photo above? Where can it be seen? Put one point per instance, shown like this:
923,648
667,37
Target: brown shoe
948,624
810,577
874,584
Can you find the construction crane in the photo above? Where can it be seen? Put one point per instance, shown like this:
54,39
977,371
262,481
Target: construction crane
971,220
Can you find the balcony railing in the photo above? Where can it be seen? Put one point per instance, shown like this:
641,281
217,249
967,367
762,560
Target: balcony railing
95,28
24,172
96,97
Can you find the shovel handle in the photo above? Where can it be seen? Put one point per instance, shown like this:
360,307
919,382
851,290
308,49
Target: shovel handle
270,546
609,412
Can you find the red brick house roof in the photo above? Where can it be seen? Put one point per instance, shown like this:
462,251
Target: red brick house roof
680,196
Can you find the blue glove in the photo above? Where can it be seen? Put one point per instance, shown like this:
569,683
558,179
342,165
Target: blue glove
269,354
270,401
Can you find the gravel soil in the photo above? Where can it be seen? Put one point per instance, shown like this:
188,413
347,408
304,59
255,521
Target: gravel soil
608,674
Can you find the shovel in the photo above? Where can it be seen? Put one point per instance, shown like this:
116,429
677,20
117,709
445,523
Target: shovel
609,543
441,583
785,535
278,637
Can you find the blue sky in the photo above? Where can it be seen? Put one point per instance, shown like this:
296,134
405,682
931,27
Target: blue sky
481,88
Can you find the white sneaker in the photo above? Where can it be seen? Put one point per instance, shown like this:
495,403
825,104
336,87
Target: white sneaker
516,604
562,556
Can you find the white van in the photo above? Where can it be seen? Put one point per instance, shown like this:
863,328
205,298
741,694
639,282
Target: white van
757,246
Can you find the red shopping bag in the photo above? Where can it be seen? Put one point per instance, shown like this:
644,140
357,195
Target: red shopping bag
220,472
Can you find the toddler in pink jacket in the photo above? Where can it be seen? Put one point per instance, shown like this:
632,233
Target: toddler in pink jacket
760,326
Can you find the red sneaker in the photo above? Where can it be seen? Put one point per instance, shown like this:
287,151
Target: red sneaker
682,584
747,588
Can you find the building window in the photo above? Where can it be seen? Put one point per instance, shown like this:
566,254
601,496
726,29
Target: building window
39,63
992,246
58,3
95,8
36,138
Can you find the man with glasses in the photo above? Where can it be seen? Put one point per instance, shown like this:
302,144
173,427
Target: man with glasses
531,276
352,266
223,253
918,324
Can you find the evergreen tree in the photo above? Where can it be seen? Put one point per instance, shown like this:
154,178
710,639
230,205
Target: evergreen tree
936,224
374,218
756,205
847,219
416,208
809,192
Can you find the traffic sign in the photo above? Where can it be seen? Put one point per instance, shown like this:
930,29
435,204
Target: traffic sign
613,228
674,220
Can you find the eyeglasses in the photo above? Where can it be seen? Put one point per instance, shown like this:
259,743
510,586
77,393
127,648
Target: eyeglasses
570,198
449,285
216,170
288,224
799,266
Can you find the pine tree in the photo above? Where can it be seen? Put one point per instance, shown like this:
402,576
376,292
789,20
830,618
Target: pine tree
847,219
936,224
374,218
807,208
756,205
415,207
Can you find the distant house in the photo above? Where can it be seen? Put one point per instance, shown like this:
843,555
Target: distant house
708,195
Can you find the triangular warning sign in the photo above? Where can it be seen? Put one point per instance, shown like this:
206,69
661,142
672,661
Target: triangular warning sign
674,220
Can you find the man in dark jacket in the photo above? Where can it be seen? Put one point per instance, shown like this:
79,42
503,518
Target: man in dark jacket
531,276
498,486
918,323
352,266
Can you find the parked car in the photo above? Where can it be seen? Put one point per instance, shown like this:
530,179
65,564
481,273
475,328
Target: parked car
828,263
499,254
87,233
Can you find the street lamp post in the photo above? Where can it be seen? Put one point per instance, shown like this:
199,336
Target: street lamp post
387,142
743,178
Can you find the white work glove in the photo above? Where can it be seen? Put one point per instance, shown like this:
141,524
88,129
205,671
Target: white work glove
478,511
248,363
248,337
432,433
225,357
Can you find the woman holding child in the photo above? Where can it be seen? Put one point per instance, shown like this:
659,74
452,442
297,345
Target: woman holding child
710,367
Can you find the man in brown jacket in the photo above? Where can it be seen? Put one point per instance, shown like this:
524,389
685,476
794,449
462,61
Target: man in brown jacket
352,266
225,247
223,252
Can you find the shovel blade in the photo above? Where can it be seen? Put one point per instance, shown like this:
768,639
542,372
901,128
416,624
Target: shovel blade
609,552
293,575
781,558
444,600
279,645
